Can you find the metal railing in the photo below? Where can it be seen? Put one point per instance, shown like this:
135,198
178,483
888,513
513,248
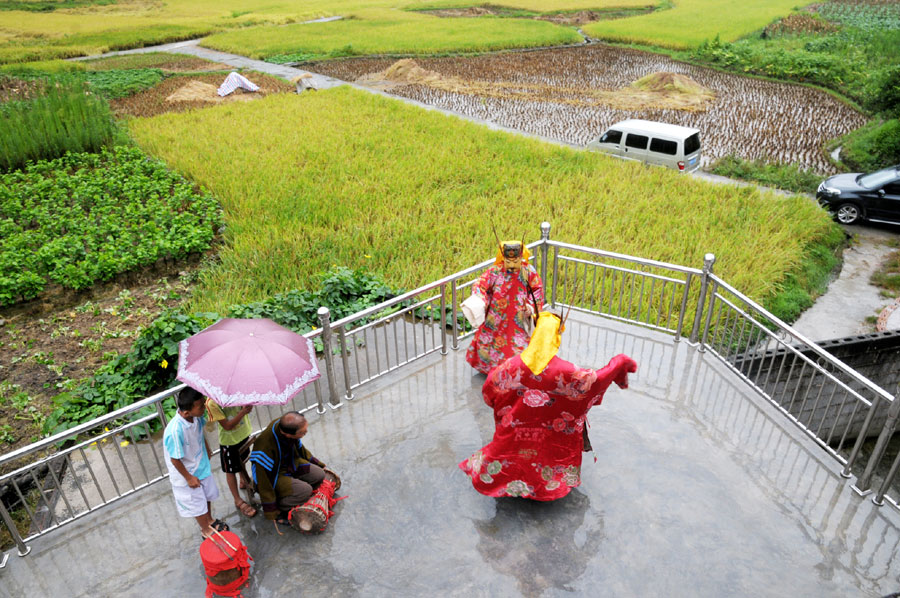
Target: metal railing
65,475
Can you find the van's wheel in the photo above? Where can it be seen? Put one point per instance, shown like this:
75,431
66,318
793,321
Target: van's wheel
848,213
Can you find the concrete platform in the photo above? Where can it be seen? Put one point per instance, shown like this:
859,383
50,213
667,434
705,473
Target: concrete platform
700,489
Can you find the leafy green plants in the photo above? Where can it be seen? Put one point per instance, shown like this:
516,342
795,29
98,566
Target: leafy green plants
65,118
342,290
151,364
781,176
88,217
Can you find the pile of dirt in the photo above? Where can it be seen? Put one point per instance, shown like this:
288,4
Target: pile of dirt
198,91
572,18
408,72
799,23
180,93
673,90
472,11
665,91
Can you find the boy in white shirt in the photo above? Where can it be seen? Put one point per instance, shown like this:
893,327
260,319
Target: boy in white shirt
187,457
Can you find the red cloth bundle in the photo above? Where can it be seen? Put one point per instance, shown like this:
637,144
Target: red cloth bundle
226,562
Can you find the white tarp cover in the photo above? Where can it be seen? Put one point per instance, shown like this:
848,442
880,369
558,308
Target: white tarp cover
235,80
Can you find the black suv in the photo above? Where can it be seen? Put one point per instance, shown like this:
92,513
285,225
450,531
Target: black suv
857,196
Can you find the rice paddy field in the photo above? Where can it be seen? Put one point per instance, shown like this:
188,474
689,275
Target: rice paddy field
65,29
369,182
557,94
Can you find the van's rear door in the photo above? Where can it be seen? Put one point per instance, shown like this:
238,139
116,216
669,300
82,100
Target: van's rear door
692,152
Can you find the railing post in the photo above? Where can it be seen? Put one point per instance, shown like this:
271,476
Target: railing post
864,482
327,350
545,236
342,338
708,260
454,301
555,277
162,413
444,319
13,531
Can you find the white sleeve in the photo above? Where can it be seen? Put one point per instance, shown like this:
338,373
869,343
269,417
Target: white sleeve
473,308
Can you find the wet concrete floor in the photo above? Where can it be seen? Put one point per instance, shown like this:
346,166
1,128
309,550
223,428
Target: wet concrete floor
700,489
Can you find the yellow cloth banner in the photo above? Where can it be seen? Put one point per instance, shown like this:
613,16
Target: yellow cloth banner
544,343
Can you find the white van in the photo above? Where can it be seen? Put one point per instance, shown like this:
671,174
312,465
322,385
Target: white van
672,146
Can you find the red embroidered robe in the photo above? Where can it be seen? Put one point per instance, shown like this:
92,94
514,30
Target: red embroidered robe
505,331
537,445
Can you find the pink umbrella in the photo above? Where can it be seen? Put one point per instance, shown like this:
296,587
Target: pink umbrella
247,362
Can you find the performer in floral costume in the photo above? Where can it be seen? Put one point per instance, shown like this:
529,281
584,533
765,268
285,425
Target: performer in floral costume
540,405
502,306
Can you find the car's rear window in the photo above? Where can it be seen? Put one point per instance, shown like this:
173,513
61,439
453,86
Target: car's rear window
663,146
611,136
636,141
692,144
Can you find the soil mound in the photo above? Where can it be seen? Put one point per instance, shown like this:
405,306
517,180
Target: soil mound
670,83
194,91
198,91
670,91
408,72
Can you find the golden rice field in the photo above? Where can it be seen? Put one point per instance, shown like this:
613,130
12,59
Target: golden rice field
366,181
374,26
554,93
392,32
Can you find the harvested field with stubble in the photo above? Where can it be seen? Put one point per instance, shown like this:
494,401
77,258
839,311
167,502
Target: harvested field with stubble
182,93
534,91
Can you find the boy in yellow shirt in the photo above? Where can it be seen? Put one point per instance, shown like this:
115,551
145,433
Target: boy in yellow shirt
234,432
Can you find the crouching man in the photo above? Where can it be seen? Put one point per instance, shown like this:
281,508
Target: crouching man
285,472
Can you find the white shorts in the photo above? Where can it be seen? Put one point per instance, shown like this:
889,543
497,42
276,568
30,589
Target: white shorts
191,502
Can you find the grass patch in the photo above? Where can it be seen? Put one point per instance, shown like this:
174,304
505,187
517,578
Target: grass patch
150,60
373,183
690,22
781,176
799,288
888,275
390,33
60,119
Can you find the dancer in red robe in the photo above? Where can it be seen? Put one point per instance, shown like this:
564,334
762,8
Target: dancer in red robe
540,405
502,306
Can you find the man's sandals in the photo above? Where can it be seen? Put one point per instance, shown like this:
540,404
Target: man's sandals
245,508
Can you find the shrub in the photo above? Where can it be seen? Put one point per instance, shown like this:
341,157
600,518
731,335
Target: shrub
66,118
151,365
886,93
342,290
783,176
873,147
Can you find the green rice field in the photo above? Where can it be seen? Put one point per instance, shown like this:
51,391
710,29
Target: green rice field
368,182
690,22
